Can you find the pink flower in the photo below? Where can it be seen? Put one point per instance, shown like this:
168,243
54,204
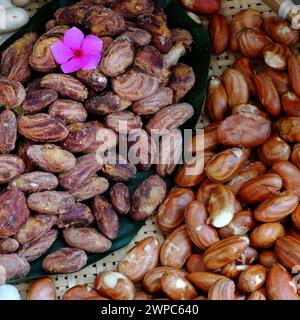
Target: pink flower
77,52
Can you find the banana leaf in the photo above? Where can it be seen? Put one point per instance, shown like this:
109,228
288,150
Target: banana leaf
198,58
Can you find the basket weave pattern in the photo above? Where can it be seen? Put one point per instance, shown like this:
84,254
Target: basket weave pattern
87,275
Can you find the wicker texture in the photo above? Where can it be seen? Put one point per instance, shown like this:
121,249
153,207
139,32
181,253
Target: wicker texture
87,275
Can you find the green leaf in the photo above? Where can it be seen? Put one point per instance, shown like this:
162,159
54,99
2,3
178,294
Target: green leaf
198,58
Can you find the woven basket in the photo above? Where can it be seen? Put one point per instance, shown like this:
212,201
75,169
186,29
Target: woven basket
87,275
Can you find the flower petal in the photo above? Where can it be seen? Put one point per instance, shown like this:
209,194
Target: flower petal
92,45
89,62
71,65
73,38
61,52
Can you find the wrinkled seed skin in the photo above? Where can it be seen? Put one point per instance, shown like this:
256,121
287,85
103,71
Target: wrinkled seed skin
35,181
138,36
34,227
119,170
21,151
92,187
117,57
156,25
147,197
15,59
120,198
8,131
41,58
142,149
169,153
51,158
93,79
12,93
106,103
68,111
247,18
123,122
151,61
236,87
169,118
65,85
14,266
132,9
279,78
71,15
182,79
106,218
267,94
79,215
152,104
50,202
87,239
37,100
79,137
252,42
35,249
106,139
246,67
135,85
13,212
42,128
8,245
65,260
86,166
103,21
